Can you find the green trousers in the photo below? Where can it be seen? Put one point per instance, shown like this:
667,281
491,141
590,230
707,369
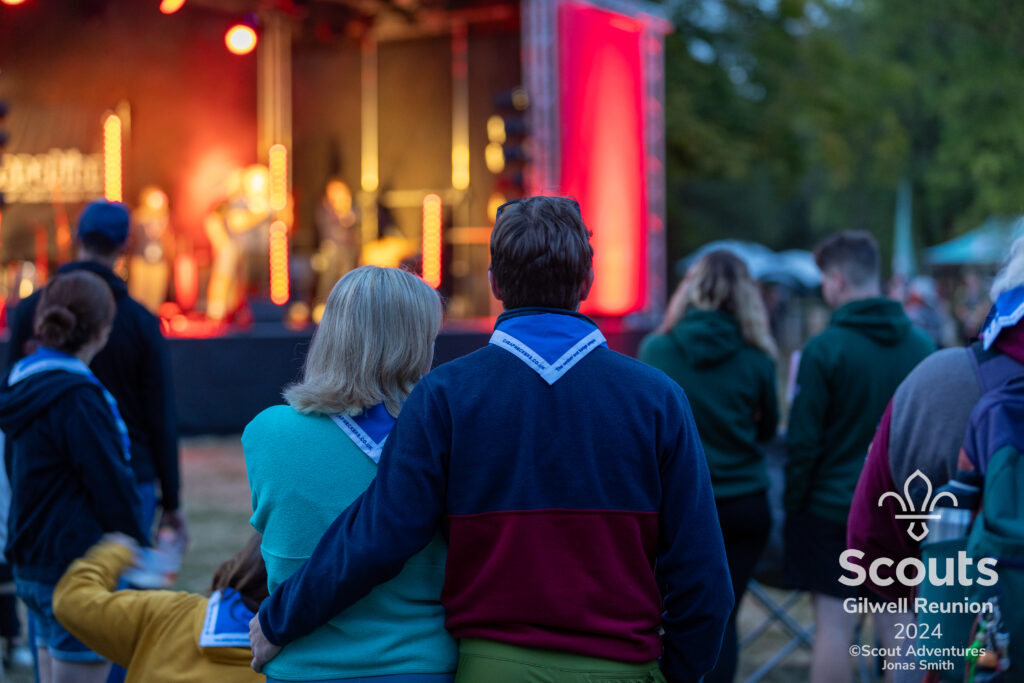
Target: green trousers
485,661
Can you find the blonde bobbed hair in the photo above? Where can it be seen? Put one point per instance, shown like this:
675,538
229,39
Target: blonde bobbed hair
374,342
720,281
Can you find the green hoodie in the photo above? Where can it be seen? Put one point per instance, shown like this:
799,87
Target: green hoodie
846,377
731,389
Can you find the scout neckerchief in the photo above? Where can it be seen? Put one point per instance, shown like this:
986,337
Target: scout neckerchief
368,430
46,360
227,621
1007,312
549,343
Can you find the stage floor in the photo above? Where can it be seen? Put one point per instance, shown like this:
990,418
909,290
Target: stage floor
220,383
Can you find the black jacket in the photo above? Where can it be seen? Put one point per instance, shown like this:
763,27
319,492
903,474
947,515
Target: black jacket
134,367
69,480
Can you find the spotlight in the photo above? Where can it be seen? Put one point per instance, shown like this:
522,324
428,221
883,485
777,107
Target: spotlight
171,6
240,39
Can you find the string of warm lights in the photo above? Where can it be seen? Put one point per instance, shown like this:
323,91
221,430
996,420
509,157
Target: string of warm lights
279,263
432,240
112,158
278,163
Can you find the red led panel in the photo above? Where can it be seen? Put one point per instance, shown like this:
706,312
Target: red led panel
601,84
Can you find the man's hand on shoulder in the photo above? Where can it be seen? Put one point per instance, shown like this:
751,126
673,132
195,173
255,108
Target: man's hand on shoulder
262,649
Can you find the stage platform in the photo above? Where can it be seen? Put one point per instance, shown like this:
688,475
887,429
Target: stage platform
221,383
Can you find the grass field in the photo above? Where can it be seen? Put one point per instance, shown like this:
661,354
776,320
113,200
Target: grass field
216,499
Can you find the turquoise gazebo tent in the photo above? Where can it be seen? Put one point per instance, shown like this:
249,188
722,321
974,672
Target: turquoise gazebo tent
987,244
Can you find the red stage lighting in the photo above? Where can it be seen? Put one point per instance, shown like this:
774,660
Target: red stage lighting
171,6
186,280
12,2
603,151
240,39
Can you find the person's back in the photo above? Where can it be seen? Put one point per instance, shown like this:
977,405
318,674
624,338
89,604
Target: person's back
303,472
731,388
308,460
69,452
715,343
133,366
553,499
163,636
923,429
847,375
571,482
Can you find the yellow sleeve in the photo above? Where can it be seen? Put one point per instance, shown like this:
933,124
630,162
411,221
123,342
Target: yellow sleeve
107,622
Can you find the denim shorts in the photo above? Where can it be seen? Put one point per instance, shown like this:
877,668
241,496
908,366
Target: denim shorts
38,598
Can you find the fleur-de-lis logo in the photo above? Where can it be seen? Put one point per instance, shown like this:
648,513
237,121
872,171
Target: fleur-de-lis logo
918,527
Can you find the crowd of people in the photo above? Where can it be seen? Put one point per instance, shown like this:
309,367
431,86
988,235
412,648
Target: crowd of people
541,510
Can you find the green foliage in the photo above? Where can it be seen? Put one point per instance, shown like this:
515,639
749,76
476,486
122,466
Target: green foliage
790,119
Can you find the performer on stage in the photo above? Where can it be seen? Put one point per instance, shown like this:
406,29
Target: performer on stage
239,231
151,250
337,224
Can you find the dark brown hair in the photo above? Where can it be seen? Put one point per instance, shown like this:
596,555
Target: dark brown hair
541,253
246,573
854,253
73,308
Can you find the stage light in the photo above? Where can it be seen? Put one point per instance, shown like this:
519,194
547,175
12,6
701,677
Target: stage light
112,158
279,263
493,202
460,167
496,129
240,39
12,2
494,155
186,279
278,162
171,6
153,198
432,240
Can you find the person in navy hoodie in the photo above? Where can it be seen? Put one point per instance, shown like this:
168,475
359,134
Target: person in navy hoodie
570,482
69,463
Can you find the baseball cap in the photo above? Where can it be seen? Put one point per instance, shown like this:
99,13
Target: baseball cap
110,219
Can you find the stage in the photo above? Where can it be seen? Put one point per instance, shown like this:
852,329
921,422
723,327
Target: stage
220,383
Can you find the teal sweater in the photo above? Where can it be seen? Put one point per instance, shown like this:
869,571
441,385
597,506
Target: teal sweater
846,377
731,388
303,472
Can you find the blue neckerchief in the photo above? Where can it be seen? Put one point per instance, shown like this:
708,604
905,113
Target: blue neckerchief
368,430
1007,312
227,621
549,343
46,360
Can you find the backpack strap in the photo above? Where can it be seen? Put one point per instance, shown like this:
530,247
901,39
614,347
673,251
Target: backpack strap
993,368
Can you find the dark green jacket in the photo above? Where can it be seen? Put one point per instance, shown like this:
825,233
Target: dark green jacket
846,377
731,389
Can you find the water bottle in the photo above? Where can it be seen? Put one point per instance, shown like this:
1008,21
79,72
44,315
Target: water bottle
955,521
157,567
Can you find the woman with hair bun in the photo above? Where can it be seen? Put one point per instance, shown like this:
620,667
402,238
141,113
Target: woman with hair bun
715,342
68,465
